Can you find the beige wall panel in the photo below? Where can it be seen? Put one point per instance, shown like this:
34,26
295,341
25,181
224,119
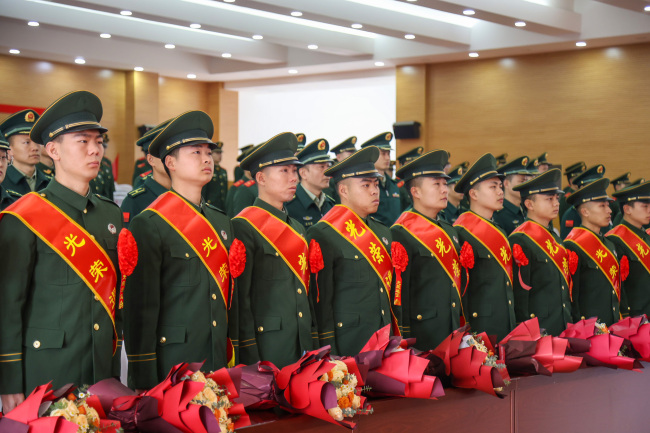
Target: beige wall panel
411,91
176,96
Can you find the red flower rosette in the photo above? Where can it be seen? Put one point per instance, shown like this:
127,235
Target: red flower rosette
466,258
127,258
573,262
236,263
636,330
400,259
316,263
521,260
526,352
625,268
471,365
301,388
605,349
394,369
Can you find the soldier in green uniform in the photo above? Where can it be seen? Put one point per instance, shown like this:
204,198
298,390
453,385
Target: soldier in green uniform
141,166
215,191
633,242
176,301
454,199
22,175
620,182
571,217
46,165
596,279
54,327
238,173
406,157
341,151
153,186
275,320
351,294
311,202
244,195
390,205
430,285
244,179
302,141
488,298
619,218
6,196
541,276
542,163
501,159
511,215
570,172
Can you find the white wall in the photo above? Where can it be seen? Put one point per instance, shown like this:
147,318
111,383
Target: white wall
334,109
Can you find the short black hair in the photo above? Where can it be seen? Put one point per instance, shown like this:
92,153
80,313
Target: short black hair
173,153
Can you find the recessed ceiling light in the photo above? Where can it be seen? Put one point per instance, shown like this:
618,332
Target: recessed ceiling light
33,23
647,8
473,54
469,12
170,46
191,76
126,13
105,35
80,61
581,44
411,0
138,68
226,55
292,71
258,37
229,1
357,26
379,63
14,51
195,26
312,46
520,24
296,14
409,36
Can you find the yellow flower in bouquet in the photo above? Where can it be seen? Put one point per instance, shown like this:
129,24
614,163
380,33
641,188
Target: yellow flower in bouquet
76,410
216,398
348,403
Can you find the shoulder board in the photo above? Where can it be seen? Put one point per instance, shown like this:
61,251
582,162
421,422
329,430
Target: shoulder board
47,171
106,199
238,183
329,197
400,184
249,183
140,165
146,173
211,206
140,159
136,192
13,193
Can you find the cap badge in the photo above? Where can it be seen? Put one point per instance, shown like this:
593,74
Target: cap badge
599,169
524,161
321,145
389,136
29,116
354,140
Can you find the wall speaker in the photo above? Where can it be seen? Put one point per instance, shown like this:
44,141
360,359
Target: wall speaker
410,129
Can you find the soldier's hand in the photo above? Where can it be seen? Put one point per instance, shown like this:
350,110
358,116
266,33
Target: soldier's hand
10,401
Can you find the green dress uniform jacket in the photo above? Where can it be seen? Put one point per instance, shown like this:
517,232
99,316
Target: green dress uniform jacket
450,213
275,313
593,295
304,210
140,180
215,191
510,217
390,205
637,285
571,218
238,173
244,196
431,306
102,186
332,192
619,220
404,197
348,296
564,206
489,298
15,181
548,298
173,308
141,166
7,197
46,169
53,327
139,199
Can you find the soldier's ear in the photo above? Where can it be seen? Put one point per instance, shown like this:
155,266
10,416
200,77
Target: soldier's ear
260,178
52,149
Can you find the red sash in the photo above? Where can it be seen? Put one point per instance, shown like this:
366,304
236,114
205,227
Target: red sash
199,234
546,242
588,242
291,246
73,244
352,228
436,240
490,237
637,245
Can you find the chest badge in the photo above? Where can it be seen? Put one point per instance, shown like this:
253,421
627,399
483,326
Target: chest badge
112,228
224,235
385,240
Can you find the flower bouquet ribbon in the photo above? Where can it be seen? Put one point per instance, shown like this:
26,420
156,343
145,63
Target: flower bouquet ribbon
395,369
636,330
526,352
605,349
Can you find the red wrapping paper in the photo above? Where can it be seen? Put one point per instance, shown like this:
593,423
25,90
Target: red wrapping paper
26,417
604,348
636,330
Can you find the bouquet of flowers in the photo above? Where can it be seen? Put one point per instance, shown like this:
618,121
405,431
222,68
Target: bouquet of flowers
526,351
605,348
471,362
395,369
636,331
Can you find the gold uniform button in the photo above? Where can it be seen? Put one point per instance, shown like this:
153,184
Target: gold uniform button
613,308
546,260
214,296
260,329
488,256
92,237
474,314
299,314
582,317
432,255
509,302
187,254
96,327
453,305
419,316
508,283
163,340
85,210
42,195
214,323
276,254
340,324
562,287
300,291
96,298
532,316
382,312
356,257
613,292
563,305
37,344
381,290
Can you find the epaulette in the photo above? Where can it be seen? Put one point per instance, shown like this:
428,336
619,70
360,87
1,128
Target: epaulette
249,183
47,171
146,173
101,197
13,193
136,192
211,206
238,183
140,165
400,184
330,197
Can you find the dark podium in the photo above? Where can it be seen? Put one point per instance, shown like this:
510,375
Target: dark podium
593,399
